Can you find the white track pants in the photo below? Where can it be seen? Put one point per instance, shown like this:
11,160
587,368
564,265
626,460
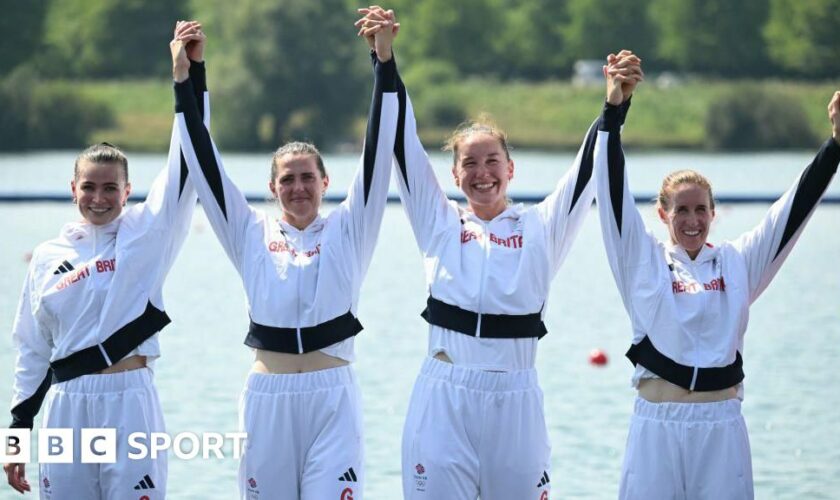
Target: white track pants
471,432
126,401
687,451
304,436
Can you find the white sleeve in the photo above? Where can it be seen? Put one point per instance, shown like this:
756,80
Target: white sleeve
33,375
630,248
225,206
767,246
565,209
424,201
364,206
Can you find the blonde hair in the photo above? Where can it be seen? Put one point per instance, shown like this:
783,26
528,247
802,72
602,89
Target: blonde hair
297,149
676,178
484,124
103,152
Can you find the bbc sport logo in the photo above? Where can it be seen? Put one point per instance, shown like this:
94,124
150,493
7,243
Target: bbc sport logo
99,445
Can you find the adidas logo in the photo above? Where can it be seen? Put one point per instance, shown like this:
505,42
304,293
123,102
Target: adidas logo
65,267
350,476
145,484
544,480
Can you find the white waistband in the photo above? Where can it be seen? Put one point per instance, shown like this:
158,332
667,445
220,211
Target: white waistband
688,412
481,380
273,383
101,383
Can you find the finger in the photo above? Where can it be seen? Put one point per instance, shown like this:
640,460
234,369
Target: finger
371,31
24,484
14,482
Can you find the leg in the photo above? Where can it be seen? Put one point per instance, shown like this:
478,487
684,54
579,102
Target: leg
136,409
439,460
334,466
269,467
515,452
719,465
73,480
652,468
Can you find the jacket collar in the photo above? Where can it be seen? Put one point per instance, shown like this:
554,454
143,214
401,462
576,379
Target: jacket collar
316,225
707,252
73,231
511,212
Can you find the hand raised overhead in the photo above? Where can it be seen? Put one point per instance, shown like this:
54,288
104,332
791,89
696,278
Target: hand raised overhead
379,27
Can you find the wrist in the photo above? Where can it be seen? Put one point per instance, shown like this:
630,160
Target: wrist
180,73
384,55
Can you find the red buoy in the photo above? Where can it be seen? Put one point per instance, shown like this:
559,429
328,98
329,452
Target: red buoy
597,357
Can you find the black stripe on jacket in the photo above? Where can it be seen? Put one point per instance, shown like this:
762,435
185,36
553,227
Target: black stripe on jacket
399,142
185,102
198,75
384,81
611,120
812,185
23,415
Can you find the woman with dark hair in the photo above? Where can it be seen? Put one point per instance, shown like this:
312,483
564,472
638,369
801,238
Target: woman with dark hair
91,307
302,272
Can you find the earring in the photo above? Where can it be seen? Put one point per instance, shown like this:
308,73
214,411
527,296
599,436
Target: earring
74,200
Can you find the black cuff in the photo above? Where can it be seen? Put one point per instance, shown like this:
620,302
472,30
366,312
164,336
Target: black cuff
198,74
624,107
612,118
832,151
385,72
20,424
184,95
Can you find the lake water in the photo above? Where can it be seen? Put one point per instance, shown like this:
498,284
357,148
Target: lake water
792,347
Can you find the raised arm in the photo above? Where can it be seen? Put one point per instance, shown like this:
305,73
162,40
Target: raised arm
422,197
767,246
629,246
225,206
565,209
364,206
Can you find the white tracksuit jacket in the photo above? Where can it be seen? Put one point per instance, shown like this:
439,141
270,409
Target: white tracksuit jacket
92,296
500,268
302,285
695,312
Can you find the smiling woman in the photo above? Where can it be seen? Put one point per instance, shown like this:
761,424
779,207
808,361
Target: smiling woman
689,304
100,184
686,205
90,311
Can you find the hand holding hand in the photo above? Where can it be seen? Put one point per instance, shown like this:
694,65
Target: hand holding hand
623,72
196,40
16,475
379,28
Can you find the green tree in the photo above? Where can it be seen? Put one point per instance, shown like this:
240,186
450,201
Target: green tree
714,37
289,69
599,27
22,27
802,36
532,46
466,34
112,38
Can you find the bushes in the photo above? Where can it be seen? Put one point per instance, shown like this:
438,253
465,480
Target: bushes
748,117
43,116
